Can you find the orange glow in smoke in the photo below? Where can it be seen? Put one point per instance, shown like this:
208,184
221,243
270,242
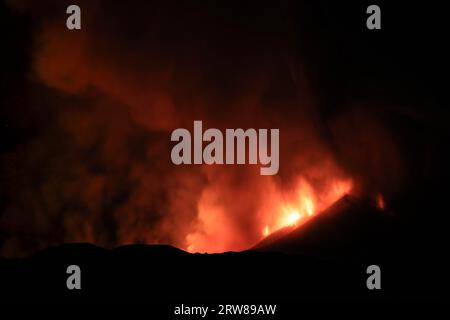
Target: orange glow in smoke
381,204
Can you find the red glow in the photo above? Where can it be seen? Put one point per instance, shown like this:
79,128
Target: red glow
381,204
281,209
308,203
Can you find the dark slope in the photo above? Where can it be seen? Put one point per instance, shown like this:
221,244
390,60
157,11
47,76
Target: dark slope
326,257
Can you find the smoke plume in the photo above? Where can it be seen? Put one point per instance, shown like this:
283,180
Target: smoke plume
106,98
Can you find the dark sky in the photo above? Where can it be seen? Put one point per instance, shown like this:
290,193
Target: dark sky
86,115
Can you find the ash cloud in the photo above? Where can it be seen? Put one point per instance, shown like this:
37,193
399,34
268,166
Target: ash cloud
98,169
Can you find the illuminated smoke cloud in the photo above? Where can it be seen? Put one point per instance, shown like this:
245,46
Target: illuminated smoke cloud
100,170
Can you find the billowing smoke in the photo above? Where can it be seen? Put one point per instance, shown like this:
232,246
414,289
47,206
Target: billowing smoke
108,96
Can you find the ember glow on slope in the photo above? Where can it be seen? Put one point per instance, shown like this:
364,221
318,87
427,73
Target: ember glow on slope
308,204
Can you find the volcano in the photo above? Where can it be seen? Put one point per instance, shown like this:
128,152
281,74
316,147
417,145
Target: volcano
326,256
351,227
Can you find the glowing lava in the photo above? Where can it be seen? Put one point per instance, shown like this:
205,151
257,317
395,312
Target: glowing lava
292,218
266,231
